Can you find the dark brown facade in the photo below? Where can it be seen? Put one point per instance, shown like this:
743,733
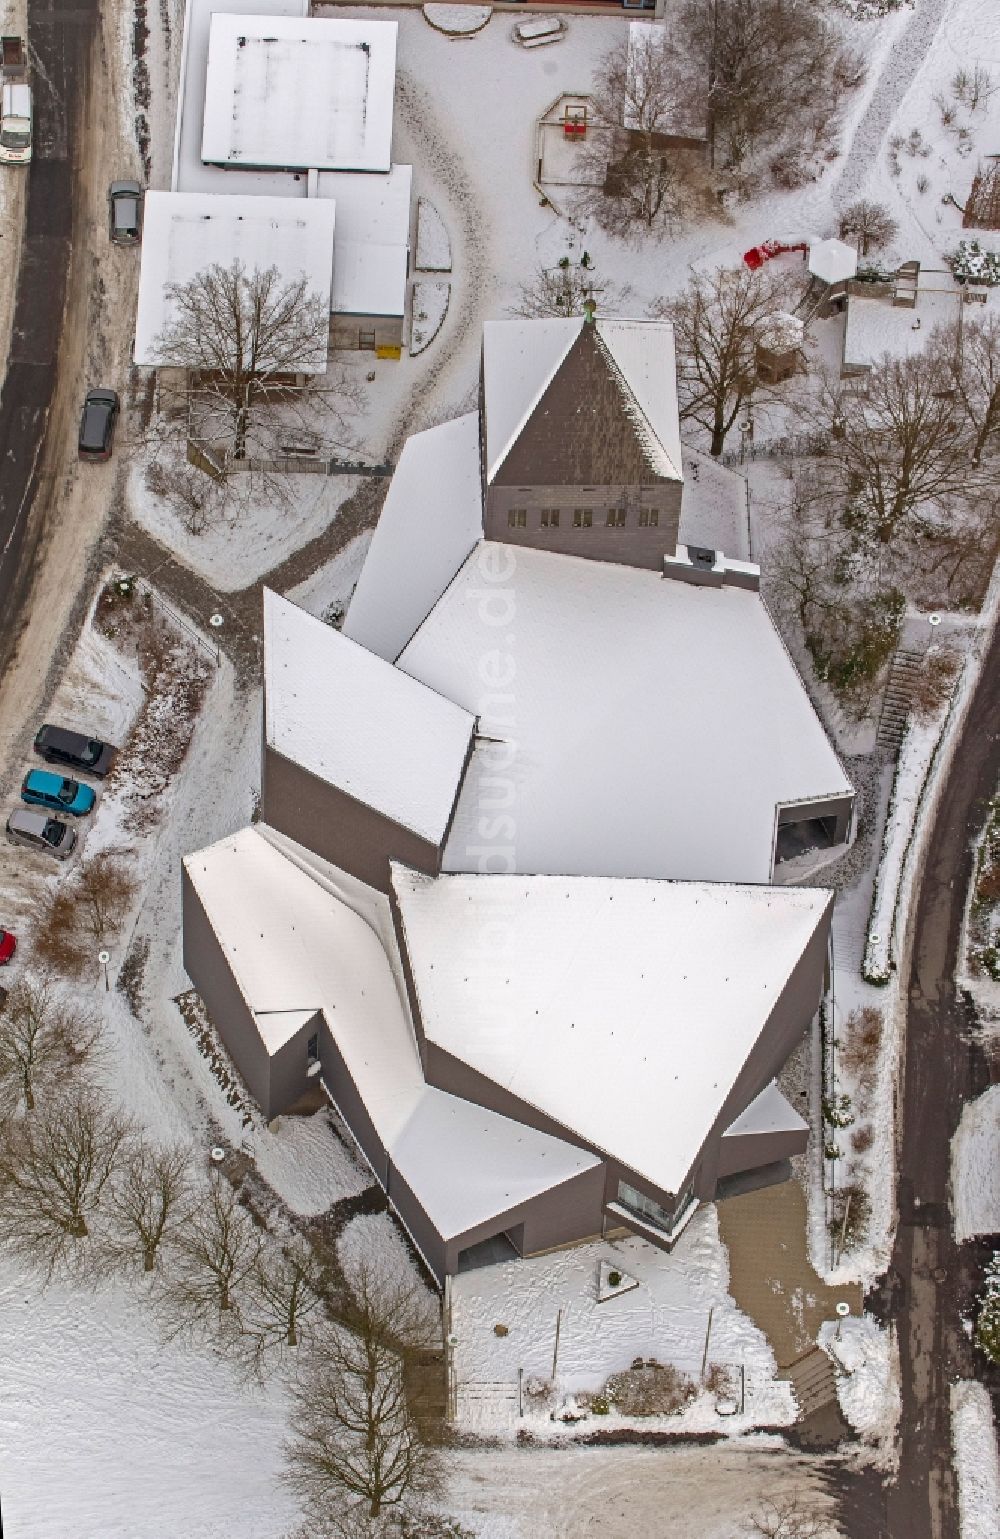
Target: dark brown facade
338,828
584,477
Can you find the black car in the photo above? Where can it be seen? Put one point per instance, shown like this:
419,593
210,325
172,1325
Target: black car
125,206
57,745
97,424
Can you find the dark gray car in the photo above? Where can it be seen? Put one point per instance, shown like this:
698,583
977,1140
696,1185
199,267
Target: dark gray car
125,199
58,745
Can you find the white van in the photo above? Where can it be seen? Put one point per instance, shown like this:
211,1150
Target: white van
15,124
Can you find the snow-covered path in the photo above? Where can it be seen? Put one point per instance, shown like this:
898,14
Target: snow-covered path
902,63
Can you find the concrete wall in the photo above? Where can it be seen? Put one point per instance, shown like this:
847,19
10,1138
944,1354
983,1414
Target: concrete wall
631,545
747,1151
332,824
357,331
840,808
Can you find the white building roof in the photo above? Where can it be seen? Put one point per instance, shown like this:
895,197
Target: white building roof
185,233
431,519
301,936
352,720
649,728
768,1112
521,359
371,250
876,327
832,260
624,1010
299,93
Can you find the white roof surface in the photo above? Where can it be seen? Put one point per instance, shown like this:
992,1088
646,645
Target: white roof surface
875,326
299,935
624,1010
521,358
650,728
832,260
431,519
767,1113
371,250
186,232
300,92
352,720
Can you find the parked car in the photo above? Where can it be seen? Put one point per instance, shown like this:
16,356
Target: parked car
40,788
58,745
97,425
37,831
125,203
8,945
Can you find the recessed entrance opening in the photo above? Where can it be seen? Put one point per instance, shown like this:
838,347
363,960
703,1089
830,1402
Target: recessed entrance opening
499,1247
803,837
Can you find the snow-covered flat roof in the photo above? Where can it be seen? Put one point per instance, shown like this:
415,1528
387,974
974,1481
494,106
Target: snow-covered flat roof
522,358
186,232
371,251
351,719
301,936
624,1010
431,519
299,93
647,728
875,326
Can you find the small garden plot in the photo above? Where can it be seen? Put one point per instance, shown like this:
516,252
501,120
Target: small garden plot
430,306
433,244
457,20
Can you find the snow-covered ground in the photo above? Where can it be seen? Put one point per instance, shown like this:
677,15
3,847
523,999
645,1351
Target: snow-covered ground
867,1375
328,591
975,1162
973,1436
681,1301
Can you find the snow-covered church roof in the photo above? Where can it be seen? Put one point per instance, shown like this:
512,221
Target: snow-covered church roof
354,721
598,388
642,728
623,1010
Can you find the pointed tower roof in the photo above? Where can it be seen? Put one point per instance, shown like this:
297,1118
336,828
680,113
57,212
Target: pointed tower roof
580,402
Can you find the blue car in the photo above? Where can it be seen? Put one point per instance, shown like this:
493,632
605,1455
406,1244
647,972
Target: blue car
41,788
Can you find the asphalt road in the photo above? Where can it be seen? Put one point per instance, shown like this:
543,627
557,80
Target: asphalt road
61,38
932,1280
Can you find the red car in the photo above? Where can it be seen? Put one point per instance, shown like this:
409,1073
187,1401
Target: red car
8,945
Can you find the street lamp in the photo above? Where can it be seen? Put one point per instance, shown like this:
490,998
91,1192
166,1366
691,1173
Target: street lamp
104,957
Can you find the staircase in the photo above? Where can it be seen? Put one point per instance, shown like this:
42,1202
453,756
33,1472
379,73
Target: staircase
904,675
812,1378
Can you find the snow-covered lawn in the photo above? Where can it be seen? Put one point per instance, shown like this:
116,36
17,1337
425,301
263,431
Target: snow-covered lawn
973,1436
681,1299
328,591
975,1162
110,1431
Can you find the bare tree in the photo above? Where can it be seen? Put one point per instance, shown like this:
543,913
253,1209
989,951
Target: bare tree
870,225
216,1253
717,319
776,76
86,913
54,1169
567,289
44,1037
791,1517
974,368
285,1294
639,174
901,450
357,1444
150,1201
973,86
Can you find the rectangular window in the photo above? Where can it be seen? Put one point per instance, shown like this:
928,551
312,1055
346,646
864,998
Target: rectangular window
517,518
615,518
312,1048
652,1212
550,518
649,518
583,518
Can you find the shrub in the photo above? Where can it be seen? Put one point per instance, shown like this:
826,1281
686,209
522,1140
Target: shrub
852,1202
987,1332
972,263
655,1389
859,1048
862,1138
935,682
614,1279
